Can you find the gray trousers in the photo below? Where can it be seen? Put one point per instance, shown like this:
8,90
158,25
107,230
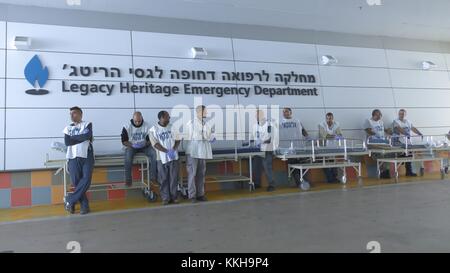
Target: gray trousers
168,178
260,163
196,169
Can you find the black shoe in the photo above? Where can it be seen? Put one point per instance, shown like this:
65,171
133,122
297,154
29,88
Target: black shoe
193,200
411,174
270,188
257,186
84,211
202,199
174,201
69,207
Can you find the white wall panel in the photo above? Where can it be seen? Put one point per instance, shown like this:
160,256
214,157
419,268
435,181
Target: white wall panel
354,56
167,64
414,59
2,153
354,76
355,118
17,61
16,96
2,93
420,79
72,39
2,34
436,117
422,97
51,122
357,97
2,123
175,45
2,63
16,160
269,51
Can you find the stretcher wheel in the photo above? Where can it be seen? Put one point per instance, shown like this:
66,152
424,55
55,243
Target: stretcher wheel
422,171
344,179
145,192
304,185
152,196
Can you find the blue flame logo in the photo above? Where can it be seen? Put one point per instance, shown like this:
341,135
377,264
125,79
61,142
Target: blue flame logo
35,72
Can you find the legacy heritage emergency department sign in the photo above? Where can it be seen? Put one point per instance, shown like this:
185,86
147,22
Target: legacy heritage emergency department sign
36,72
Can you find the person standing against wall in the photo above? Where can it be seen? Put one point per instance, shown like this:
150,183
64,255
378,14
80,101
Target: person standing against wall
265,136
166,145
135,139
78,137
200,137
330,130
292,132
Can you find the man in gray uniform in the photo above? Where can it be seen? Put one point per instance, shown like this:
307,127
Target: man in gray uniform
199,150
135,140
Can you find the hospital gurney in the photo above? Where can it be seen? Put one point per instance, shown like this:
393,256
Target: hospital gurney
322,154
403,149
240,151
107,160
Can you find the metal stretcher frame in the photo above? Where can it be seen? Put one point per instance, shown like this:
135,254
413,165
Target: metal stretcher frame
323,157
413,153
108,161
231,154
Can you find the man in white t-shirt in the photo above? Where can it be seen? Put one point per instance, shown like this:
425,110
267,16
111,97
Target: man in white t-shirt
78,138
328,130
374,128
135,139
265,136
199,149
166,145
403,127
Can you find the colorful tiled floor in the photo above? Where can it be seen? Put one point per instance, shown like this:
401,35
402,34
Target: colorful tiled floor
15,214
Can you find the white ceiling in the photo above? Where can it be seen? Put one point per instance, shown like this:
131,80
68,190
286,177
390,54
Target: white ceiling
420,19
